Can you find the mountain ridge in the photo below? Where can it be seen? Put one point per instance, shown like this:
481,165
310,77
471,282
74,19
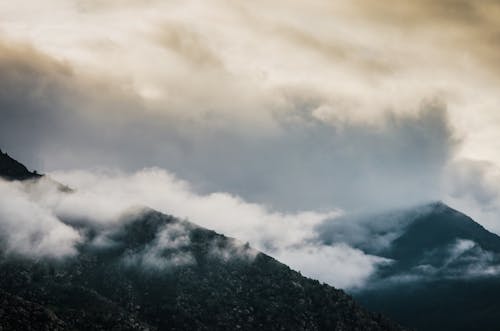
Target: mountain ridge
156,272
444,275
213,292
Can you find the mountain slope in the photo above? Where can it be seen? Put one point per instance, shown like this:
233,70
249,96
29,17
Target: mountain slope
12,170
225,286
445,274
440,226
155,272
19,314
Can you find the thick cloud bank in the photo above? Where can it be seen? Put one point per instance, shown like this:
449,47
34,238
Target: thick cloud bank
38,219
291,238
104,198
295,161
289,147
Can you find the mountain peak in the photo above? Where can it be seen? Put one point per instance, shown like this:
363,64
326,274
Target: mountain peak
11,169
156,272
440,207
438,204
437,227
442,261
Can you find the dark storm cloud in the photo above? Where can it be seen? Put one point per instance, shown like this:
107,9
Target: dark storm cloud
54,118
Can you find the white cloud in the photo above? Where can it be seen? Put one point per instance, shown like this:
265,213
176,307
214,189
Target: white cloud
111,193
328,251
29,229
339,264
478,261
165,252
102,198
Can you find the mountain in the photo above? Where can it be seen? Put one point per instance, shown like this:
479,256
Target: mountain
226,286
445,273
156,272
13,170
440,239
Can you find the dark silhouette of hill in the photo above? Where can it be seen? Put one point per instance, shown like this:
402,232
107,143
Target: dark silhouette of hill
12,170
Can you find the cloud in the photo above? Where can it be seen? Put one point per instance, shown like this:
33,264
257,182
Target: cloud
28,229
474,185
307,156
288,105
335,247
165,252
371,232
376,56
189,45
105,201
339,264
476,179
356,112
460,259
111,193
232,249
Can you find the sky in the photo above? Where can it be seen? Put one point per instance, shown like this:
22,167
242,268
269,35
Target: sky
297,107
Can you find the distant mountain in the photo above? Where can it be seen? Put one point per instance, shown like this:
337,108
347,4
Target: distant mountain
155,272
445,273
12,170
434,237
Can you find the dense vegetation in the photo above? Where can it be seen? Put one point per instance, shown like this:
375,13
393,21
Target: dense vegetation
98,290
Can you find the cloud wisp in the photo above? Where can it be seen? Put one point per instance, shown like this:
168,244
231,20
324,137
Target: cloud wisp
165,252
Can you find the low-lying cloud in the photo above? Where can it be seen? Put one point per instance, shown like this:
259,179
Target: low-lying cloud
102,199
460,259
28,228
165,252
336,247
